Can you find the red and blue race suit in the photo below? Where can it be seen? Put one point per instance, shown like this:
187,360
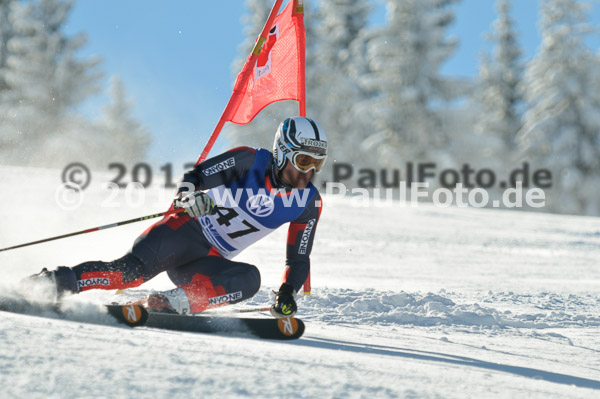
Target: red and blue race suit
197,254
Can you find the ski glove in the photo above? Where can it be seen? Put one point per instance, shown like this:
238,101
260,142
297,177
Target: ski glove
285,304
195,204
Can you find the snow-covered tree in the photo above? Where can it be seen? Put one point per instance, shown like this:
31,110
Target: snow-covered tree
333,88
562,124
124,136
7,136
45,80
117,136
405,57
43,69
6,32
498,91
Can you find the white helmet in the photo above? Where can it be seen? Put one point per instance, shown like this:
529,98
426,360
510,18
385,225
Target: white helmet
301,141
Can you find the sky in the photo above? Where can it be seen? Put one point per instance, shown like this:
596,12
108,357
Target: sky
175,59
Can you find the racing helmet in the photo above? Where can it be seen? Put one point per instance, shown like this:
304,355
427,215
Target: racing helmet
302,142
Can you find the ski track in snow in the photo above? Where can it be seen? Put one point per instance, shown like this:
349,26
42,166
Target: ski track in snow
407,303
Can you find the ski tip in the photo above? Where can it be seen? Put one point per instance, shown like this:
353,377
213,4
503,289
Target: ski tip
290,328
130,314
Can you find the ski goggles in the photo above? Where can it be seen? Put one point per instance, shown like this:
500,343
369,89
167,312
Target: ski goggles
304,162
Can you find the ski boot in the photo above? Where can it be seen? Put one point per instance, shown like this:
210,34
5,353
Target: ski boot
51,285
174,301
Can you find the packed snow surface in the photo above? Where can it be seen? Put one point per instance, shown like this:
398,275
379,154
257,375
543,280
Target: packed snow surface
407,302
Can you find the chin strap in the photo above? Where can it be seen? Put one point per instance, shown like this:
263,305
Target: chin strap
276,180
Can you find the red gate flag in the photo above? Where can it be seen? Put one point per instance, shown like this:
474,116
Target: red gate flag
272,72
275,69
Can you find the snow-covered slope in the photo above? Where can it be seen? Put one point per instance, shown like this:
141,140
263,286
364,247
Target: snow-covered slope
407,302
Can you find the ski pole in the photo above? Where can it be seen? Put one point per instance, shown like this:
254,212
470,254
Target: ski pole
108,226
247,310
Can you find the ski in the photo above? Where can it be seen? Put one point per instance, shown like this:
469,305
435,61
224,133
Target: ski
21,305
137,316
131,315
268,328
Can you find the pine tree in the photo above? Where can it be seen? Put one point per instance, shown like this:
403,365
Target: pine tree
126,139
8,137
562,125
405,57
499,78
45,79
6,32
333,90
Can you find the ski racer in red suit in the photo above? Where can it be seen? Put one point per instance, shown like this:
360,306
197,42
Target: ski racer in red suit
230,202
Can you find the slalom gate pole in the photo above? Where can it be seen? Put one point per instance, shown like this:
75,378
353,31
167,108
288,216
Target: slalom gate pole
108,226
299,9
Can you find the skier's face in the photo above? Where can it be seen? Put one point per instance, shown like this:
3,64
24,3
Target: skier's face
295,178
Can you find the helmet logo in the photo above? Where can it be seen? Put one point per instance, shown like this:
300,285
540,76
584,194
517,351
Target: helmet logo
318,147
314,143
260,205
284,149
280,152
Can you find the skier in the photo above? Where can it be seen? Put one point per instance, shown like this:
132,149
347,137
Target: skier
229,201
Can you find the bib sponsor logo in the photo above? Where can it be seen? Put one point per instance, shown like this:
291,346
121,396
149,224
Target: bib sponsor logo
287,326
236,296
260,205
305,236
89,282
214,237
221,166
